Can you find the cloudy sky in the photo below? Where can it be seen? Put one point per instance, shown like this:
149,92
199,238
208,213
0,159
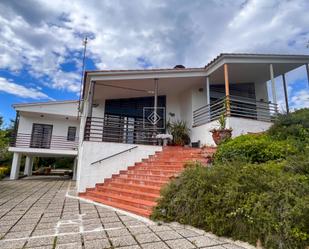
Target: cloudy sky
41,41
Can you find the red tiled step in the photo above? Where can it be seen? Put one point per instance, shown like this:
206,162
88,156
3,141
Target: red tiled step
135,202
129,193
146,176
138,211
140,182
136,187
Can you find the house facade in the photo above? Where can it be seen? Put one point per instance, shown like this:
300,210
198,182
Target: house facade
122,112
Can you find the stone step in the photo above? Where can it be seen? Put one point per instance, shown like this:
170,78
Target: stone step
136,187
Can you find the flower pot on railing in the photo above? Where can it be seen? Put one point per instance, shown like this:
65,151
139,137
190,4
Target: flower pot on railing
222,134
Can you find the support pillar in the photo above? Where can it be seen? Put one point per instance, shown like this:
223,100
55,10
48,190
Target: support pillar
15,166
156,87
273,87
285,94
28,166
307,68
90,98
207,91
227,90
74,169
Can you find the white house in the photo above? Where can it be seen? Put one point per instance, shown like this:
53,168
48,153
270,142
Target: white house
115,124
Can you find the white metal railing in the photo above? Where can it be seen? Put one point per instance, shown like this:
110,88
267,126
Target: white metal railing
235,106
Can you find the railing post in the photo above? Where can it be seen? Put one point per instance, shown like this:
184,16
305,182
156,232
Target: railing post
285,94
87,129
227,90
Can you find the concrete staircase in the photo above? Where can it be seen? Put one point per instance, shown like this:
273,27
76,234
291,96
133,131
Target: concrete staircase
137,188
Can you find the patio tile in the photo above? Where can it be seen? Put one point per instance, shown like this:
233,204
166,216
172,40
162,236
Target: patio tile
147,237
203,241
123,241
168,235
97,244
155,245
180,244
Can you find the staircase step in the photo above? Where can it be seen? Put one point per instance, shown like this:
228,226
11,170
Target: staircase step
136,187
129,193
134,202
150,171
138,211
146,177
139,182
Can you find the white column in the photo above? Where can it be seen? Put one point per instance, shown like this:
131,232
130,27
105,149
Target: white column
207,91
90,97
307,68
15,166
74,169
273,87
28,166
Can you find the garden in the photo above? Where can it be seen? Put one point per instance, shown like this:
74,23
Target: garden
256,190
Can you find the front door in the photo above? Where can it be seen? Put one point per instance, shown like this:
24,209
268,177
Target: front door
41,136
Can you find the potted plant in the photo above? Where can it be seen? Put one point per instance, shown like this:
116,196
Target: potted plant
180,132
223,133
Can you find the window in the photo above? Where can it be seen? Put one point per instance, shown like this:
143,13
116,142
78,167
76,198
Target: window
41,136
71,133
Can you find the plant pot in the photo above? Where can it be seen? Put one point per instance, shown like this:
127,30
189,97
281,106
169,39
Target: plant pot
221,135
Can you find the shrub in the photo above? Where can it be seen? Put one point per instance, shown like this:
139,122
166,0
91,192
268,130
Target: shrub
4,171
254,148
298,163
292,126
242,201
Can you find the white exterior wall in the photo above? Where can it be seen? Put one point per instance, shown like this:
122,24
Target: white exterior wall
60,125
88,175
68,108
240,126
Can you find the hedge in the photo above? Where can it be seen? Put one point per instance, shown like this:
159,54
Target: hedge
243,201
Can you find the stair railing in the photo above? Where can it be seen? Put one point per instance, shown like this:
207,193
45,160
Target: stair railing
113,155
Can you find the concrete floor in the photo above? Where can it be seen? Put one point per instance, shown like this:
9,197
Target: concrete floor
45,213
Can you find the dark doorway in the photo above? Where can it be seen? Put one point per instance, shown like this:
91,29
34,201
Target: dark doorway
123,120
41,136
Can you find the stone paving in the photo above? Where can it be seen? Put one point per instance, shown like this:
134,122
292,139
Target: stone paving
46,214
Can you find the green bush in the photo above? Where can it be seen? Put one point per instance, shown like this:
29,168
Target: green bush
4,171
298,163
254,148
292,126
243,201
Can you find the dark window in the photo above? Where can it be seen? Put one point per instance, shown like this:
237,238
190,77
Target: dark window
71,133
41,136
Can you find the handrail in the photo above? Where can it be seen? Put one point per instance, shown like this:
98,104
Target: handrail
239,107
116,154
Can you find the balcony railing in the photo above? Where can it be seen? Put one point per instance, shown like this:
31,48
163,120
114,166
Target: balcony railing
238,106
113,128
23,140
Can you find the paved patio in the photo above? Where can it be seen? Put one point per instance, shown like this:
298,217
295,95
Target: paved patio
45,213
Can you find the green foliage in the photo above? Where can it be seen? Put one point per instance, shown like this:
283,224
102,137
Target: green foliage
4,171
254,148
292,126
298,163
222,121
242,201
180,132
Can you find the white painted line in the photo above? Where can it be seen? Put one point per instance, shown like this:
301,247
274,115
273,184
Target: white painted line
135,216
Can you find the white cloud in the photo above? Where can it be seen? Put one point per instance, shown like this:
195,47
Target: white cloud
21,91
39,36
300,99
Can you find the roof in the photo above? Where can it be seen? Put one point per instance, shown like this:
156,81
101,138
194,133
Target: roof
45,103
253,55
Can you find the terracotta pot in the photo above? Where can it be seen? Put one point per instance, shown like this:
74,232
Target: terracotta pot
220,135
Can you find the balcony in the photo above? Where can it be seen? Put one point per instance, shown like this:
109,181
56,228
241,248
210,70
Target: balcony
44,141
235,106
119,129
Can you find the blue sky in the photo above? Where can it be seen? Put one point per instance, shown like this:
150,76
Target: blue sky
41,41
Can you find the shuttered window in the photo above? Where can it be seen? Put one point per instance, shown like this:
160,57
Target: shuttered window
71,133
